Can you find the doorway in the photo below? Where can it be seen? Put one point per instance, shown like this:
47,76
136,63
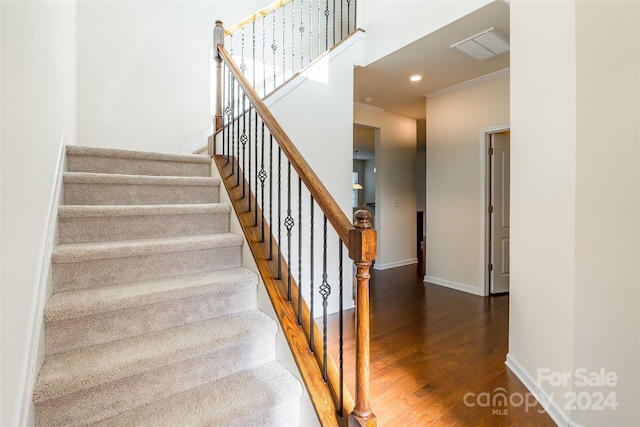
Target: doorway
495,216
499,218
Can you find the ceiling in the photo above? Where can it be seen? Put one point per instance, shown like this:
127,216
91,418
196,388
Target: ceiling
386,81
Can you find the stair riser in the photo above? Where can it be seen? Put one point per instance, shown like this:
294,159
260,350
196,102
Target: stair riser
113,228
101,402
138,194
135,166
111,271
104,327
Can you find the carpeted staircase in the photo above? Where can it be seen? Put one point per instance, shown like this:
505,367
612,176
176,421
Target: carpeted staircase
153,319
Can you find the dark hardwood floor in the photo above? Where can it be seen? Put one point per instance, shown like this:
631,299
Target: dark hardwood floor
432,346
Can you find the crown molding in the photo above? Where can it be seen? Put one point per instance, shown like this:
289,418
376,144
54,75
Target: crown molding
367,107
469,83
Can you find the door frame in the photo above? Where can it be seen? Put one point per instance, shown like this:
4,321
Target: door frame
485,219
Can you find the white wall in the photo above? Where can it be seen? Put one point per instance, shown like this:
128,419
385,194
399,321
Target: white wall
392,24
144,70
607,278
395,182
576,202
38,107
318,117
454,181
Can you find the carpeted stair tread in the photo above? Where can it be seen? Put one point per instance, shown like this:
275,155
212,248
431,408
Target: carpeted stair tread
251,397
80,252
73,371
80,150
85,302
94,223
111,179
106,160
98,211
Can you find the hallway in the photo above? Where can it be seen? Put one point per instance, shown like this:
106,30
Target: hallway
432,350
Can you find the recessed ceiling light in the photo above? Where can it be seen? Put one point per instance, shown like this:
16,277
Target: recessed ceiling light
415,78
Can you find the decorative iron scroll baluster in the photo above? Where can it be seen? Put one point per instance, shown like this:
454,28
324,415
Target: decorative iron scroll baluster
289,223
326,19
262,175
325,290
243,66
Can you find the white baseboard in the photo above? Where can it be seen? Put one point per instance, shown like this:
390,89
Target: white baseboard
35,343
453,285
552,408
389,265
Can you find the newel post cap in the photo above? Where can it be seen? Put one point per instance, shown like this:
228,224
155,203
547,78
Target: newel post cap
218,34
362,237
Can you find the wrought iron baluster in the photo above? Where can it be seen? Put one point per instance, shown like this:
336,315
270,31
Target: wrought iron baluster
284,46
300,250
253,58
310,30
233,124
243,66
325,290
311,273
255,139
355,14
264,57
349,16
243,141
340,328
289,223
262,175
279,213
271,194
238,136
274,48
334,21
293,35
326,25
341,20
301,29
249,159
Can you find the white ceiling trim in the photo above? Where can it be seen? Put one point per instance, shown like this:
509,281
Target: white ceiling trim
469,83
368,107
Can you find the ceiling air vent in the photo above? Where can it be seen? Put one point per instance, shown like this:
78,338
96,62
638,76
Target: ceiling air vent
484,45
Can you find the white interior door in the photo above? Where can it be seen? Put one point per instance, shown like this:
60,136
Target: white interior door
500,219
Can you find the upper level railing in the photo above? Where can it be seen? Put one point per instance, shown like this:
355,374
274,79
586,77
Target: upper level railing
297,233
276,43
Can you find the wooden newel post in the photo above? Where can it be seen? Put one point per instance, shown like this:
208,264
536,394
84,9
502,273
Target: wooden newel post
218,39
362,249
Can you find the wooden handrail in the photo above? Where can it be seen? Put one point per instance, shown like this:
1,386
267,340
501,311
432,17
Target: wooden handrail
320,194
264,12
